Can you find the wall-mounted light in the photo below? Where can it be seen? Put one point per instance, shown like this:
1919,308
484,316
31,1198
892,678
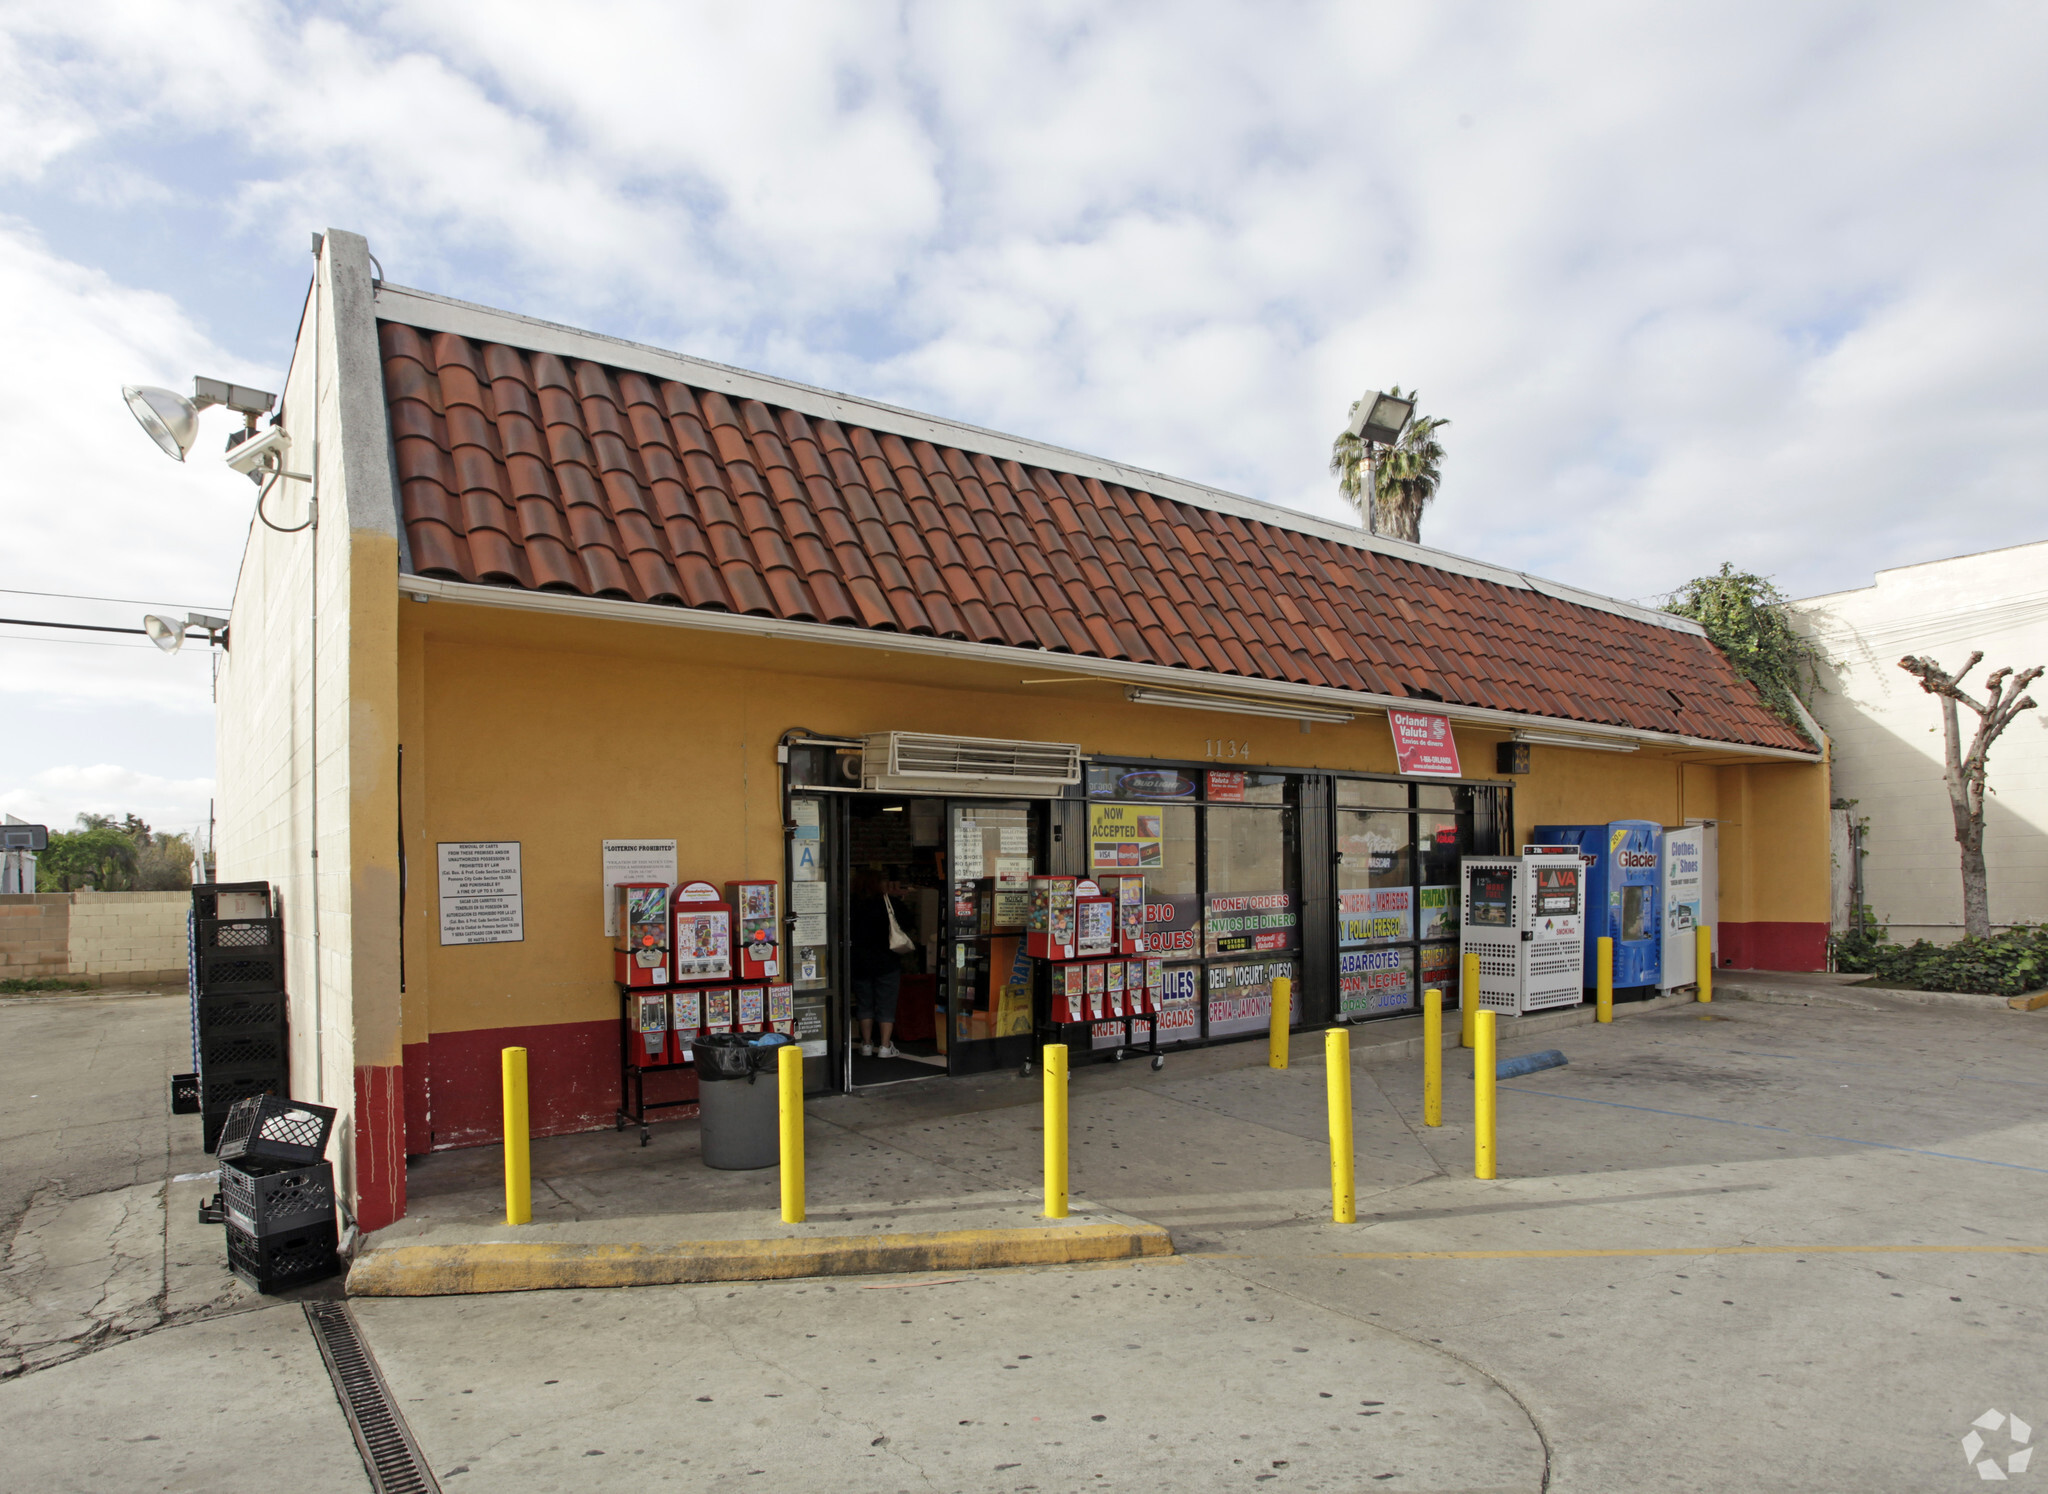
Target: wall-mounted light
173,420
1563,739
1194,700
169,635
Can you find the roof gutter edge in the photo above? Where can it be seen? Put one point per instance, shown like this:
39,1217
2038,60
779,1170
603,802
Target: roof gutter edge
1109,671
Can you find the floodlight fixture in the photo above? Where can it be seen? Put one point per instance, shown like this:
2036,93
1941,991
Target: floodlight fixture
169,635
164,633
172,420
1381,418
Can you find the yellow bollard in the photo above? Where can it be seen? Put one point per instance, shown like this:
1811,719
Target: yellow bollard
1482,1099
1603,1008
518,1152
1432,1057
1277,1022
789,1079
1468,1000
1055,1062
1343,1187
1704,962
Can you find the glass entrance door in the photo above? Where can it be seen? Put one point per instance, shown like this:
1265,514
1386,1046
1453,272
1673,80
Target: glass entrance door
992,848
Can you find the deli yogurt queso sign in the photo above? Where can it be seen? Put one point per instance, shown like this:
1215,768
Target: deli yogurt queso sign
1424,744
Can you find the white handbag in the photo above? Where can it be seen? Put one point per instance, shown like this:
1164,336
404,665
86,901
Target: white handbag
899,942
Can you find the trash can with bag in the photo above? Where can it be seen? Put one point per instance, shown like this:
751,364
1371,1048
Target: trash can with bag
738,1114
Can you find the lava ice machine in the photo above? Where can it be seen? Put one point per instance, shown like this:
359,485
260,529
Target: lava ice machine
1524,916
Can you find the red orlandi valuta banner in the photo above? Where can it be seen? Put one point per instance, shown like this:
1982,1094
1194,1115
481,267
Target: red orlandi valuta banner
1424,744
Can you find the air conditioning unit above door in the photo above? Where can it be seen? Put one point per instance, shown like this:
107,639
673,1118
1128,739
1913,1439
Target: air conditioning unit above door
909,762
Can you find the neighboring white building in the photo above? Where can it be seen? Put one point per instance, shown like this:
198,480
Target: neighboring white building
1887,737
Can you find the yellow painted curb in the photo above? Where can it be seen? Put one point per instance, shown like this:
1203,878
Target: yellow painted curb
452,1270
2031,1003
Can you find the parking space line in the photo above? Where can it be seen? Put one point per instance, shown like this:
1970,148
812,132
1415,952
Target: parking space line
1721,1120
1562,1255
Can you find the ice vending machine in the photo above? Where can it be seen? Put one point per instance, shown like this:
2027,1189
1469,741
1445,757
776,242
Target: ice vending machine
1622,895
641,953
1524,916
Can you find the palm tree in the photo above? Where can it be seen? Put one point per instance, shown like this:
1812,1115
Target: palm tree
1403,477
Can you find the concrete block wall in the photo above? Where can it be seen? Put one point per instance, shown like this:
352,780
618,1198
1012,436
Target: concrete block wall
109,938
35,936
128,936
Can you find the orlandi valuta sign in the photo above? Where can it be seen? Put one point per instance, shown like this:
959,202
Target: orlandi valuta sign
1424,745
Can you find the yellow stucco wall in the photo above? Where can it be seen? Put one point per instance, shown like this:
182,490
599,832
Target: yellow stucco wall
561,732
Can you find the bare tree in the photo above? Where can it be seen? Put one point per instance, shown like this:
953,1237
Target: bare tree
1965,772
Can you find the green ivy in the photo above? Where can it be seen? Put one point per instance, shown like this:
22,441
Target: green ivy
1746,618
2011,963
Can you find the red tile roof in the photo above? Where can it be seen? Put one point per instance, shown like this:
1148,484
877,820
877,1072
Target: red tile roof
528,469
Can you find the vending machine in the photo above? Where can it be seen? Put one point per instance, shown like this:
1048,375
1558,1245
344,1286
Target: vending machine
1049,928
1623,901
1684,897
758,944
641,951
703,934
1524,916
648,1046
685,1021
1127,891
1095,927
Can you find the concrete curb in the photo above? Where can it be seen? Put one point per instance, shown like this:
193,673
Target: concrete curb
452,1270
1858,997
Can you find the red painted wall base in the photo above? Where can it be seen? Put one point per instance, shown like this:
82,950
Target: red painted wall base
1774,946
379,1145
454,1092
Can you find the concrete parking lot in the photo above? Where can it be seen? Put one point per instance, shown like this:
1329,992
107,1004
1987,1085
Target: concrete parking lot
1751,1246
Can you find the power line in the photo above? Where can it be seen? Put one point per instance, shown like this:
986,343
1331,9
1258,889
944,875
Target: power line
35,622
69,596
85,643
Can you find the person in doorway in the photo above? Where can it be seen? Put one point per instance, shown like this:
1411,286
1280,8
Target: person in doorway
876,968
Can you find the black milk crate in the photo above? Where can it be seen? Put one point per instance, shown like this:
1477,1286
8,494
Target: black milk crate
206,897
277,1203
212,935
236,1011
226,971
241,1048
184,1094
222,1089
276,1263
211,1124
269,1132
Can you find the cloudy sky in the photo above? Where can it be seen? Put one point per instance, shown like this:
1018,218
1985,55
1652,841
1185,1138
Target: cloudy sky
1745,282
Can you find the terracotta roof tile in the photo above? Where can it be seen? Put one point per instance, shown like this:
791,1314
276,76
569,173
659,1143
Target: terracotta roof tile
526,469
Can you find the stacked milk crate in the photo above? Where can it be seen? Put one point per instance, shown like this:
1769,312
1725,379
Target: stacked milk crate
240,1046
277,1193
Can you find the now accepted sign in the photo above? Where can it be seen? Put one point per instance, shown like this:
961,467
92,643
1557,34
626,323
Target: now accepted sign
1424,745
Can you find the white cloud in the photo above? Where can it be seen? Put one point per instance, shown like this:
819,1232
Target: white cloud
1727,282
57,796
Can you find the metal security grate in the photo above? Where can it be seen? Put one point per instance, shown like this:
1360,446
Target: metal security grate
382,1437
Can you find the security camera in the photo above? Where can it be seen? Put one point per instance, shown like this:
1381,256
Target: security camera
260,454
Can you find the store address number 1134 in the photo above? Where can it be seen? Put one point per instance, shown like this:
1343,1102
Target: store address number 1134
1226,750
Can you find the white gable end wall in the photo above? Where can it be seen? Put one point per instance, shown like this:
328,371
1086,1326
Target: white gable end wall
1887,732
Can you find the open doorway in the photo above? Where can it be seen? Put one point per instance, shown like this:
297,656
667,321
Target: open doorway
895,944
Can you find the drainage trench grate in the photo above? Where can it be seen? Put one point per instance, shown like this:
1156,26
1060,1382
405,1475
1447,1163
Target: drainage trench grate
385,1441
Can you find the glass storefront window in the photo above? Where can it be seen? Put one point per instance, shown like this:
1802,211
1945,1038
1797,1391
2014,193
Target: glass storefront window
1371,793
1436,796
1250,884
